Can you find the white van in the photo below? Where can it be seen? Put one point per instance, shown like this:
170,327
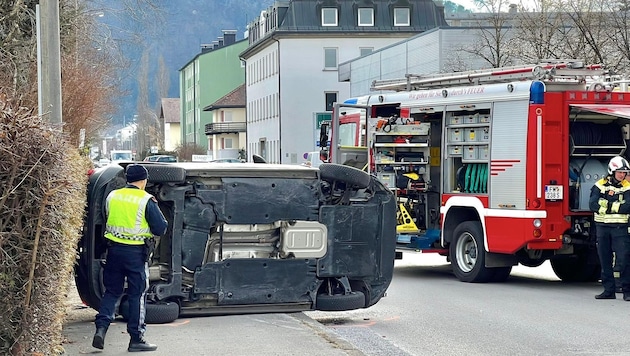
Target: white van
312,159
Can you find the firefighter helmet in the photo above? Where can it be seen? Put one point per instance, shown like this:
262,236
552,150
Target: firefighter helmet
618,163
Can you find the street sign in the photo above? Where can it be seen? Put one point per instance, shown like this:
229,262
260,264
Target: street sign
321,117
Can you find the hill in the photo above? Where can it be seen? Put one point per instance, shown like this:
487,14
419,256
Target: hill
173,30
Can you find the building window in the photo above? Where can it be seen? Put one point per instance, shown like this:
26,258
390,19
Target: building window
331,99
227,116
227,143
366,16
401,16
366,50
330,58
329,16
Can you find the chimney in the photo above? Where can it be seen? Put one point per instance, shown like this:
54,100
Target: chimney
513,9
206,47
220,39
215,44
229,37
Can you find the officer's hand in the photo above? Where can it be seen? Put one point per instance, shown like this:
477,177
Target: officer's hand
603,206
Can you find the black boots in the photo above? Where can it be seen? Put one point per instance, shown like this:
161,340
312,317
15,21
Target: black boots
99,338
606,295
138,344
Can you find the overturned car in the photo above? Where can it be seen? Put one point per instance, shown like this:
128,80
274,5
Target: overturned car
252,238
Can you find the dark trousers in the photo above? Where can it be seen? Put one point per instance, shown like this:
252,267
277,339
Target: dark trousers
614,238
125,261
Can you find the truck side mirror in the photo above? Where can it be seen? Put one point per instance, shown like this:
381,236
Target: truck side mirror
323,135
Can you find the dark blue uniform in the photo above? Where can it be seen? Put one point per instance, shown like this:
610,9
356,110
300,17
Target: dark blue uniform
610,201
129,261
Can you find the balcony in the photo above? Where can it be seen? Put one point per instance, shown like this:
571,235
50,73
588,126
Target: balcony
225,127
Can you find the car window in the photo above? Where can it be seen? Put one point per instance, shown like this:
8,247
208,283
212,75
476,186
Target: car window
167,159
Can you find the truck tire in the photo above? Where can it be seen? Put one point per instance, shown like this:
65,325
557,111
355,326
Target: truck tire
575,269
468,254
500,274
340,302
346,174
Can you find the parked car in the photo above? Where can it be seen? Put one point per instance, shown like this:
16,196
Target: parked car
227,160
102,162
252,238
160,158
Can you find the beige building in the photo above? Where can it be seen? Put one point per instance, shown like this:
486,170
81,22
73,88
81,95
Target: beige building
169,115
227,130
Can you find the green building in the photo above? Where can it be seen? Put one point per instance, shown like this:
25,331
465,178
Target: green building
212,74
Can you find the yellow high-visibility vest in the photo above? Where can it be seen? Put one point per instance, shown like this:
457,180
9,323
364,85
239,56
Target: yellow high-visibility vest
614,217
126,223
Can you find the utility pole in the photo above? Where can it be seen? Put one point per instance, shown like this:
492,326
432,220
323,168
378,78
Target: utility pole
49,61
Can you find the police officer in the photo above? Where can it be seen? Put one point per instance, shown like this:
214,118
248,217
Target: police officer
610,202
133,217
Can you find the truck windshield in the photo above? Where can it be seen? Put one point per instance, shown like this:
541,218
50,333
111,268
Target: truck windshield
121,156
348,134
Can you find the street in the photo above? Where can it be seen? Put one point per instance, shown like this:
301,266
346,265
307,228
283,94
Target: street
427,311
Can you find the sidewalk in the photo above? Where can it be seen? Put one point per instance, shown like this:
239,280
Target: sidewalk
256,334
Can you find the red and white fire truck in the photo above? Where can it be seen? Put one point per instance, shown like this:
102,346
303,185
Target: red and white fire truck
492,168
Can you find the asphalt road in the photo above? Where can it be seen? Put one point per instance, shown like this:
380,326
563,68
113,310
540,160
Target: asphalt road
427,311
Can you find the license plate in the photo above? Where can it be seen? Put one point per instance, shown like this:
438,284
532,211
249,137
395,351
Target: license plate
553,192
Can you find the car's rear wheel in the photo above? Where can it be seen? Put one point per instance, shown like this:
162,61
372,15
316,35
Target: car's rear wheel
340,302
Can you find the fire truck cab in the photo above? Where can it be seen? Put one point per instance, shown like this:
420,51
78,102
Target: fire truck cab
494,168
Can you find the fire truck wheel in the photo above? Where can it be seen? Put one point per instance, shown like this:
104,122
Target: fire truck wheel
575,268
349,175
468,254
500,274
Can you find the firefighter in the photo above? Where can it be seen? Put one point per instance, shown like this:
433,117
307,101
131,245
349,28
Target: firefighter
610,203
133,218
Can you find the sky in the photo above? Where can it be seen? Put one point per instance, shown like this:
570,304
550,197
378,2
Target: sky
469,4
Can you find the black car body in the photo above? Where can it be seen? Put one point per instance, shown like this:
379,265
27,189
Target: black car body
251,238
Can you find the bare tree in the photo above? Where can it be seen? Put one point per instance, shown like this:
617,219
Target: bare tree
494,34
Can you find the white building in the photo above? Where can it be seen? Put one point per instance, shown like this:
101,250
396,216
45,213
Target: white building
292,76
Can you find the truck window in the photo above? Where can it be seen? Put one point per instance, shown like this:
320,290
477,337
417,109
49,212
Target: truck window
348,134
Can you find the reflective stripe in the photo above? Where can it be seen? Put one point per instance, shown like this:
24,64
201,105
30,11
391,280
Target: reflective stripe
611,218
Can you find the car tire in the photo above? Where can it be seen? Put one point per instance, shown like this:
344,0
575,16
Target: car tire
346,174
162,313
340,302
159,173
156,313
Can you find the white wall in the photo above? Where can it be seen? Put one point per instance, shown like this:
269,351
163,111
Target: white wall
301,86
262,103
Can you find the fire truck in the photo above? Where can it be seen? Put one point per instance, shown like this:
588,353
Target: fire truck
491,168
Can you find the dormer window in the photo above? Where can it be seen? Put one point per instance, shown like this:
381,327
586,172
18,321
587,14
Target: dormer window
329,16
366,16
401,16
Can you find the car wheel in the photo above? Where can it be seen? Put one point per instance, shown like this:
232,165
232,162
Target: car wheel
165,174
161,313
346,174
156,313
340,302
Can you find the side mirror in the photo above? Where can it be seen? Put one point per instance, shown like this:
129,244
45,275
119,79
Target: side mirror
323,135
258,159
